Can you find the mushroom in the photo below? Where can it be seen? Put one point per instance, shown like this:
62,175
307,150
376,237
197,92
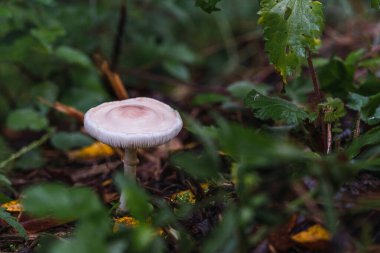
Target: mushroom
130,124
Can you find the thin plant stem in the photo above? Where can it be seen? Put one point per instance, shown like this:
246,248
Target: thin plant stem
317,92
26,149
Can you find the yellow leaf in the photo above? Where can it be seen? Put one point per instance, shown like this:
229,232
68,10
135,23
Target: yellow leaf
126,220
13,206
187,196
96,150
313,234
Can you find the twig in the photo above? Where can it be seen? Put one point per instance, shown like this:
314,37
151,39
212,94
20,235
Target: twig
26,149
113,78
68,110
357,126
329,138
117,46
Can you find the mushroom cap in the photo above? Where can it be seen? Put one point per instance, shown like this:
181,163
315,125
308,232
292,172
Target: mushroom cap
133,123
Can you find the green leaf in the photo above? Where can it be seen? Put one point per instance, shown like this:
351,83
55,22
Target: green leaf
208,5
356,102
5,12
370,138
47,36
66,140
274,108
23,119
46,2
375,4
8,218
73,56
370,63
369,107
241,89
61,202
136,199
249,147
177,69
290,26
198,166
4,181
209,98
224,236
333,109
31,160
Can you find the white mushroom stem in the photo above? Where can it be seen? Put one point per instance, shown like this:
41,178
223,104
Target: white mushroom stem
130,162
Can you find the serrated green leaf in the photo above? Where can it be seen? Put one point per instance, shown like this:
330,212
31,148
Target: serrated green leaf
274,108
8,218
290,26
22,119
333,109
208,5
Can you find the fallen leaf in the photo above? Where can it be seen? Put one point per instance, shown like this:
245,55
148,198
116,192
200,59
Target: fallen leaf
313,234
94,151
129,222
187,196
13,206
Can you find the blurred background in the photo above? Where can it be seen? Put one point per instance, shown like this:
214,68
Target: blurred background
167,49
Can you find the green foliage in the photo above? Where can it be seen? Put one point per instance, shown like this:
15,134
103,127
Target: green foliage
72,56
333,110
61,202
375,4
274,108
67,140
290,28
337,75
67,204
141,209
209,98
240,89
370,138
197,165
368,107
208,5
23,119
8,218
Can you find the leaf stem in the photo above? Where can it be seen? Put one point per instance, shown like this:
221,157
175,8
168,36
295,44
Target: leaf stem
318,95
313,73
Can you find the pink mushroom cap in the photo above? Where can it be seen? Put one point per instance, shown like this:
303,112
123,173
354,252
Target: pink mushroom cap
133,123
